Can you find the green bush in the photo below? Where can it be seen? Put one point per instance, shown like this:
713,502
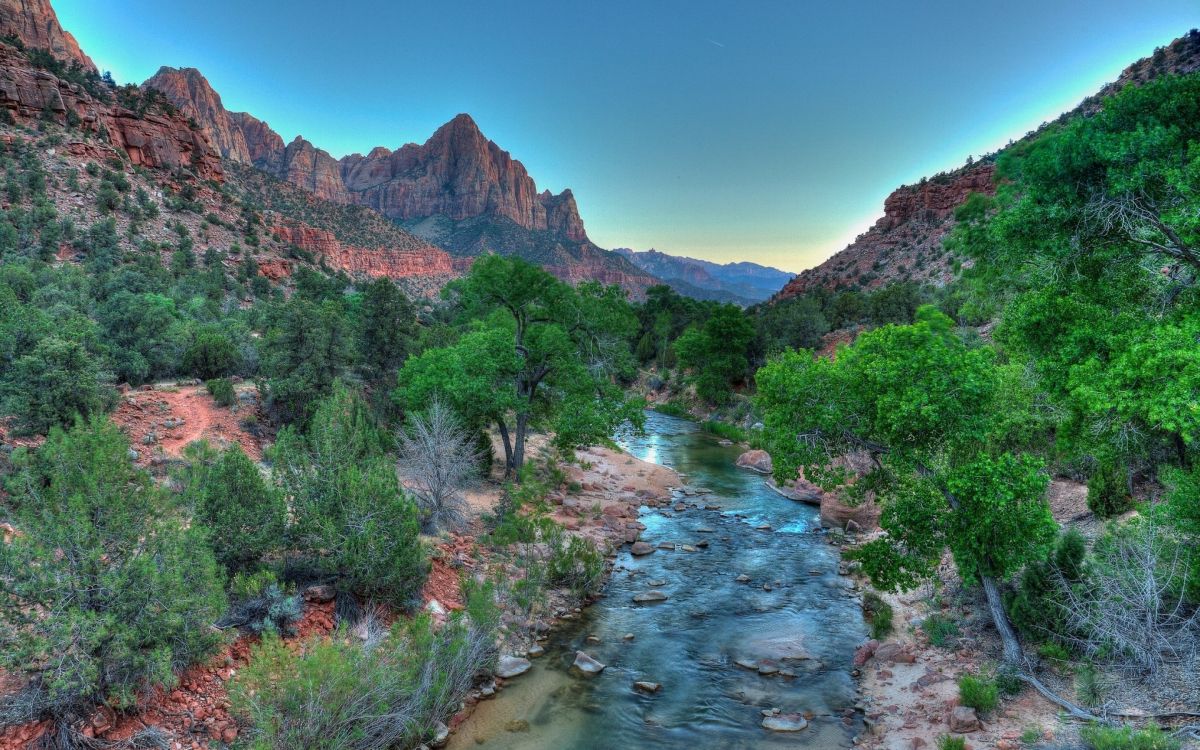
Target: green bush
106,592
1090,686
575,563
940,629
1108,491
1036,606
344,694
211,355
221,389
950,742
260,605
1098,737
246,516
674,409
879,614
978,692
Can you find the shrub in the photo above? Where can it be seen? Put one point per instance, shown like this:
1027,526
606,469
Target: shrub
1099,737
245,515
940,629
260,605
1108,491
1090,687
574,563
53,384
132,602
879,614
221,389
978,692
724,430
950,742
344,694
211,355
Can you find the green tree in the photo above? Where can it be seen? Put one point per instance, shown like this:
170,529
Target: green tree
944,425
552,355
304,352
53,384
211,355
106,590
245,515
716,352
387,326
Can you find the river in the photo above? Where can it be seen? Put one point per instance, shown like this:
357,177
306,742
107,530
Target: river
795,609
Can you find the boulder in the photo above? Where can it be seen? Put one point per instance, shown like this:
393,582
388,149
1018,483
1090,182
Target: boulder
650,596
441,735
586,665
756,460
510,666
964,720
646,687
640,548
785,723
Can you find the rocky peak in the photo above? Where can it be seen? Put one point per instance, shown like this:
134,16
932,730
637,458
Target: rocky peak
264,146
191,92
36,24
314,170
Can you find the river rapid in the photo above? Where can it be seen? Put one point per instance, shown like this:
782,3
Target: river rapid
795,612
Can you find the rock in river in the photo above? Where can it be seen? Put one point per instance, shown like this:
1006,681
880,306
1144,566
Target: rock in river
640,548
650,596
586,665
757,460
511,666
646,687
785,723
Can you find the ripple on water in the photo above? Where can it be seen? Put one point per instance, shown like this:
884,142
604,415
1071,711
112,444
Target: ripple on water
690,642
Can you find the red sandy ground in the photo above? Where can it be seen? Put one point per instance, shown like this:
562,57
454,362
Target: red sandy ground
146,410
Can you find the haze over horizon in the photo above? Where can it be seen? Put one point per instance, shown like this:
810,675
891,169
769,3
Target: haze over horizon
699,129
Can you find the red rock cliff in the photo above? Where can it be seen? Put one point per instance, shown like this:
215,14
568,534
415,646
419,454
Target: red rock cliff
36,24
390,262
188,90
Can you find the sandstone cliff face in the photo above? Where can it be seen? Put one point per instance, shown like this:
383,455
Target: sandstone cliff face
152,140
906,243
188,90
36,24
264,147
372,262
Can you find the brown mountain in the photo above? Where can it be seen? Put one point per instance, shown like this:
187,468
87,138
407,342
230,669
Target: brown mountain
35,24
458,190
906,243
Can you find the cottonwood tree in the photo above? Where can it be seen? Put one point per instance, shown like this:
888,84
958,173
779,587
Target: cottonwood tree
540,354
943,424
438,458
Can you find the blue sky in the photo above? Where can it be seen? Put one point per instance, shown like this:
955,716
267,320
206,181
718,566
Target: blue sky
764,131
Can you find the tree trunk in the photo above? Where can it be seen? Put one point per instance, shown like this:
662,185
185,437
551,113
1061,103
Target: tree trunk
508,451
519,444
1012,647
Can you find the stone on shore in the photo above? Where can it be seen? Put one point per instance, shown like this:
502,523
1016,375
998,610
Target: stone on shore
510,666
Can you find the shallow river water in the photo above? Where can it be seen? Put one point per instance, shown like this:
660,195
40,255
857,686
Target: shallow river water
809,621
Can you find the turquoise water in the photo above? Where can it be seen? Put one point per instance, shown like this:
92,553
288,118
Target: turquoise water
690,642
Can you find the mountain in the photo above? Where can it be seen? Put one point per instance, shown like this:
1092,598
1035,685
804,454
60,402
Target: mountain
906,243
458,190
742,283
35,24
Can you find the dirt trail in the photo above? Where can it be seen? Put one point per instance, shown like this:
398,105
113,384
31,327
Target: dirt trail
164,419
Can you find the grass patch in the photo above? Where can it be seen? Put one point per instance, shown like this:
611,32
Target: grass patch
949,742
940,629
1126,738
725,430
674,409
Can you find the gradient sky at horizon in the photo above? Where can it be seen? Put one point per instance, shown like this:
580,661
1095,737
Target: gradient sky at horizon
767,131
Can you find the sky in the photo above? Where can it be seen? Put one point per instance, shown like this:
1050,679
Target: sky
738,130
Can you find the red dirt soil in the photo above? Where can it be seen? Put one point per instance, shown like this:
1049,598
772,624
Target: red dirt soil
173,417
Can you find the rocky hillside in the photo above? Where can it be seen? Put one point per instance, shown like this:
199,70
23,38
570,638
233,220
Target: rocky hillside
36,25
741,283
906,243
458,190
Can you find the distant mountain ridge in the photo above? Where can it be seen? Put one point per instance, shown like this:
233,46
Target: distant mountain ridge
742,283
458,190
905,244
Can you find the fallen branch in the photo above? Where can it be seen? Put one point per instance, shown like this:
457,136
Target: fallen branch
1063,703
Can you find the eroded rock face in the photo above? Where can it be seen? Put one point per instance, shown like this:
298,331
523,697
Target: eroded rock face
36,24
187,89
154,140
264,147
374,262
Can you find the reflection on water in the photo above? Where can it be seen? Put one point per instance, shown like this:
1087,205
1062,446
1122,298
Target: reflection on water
795,608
